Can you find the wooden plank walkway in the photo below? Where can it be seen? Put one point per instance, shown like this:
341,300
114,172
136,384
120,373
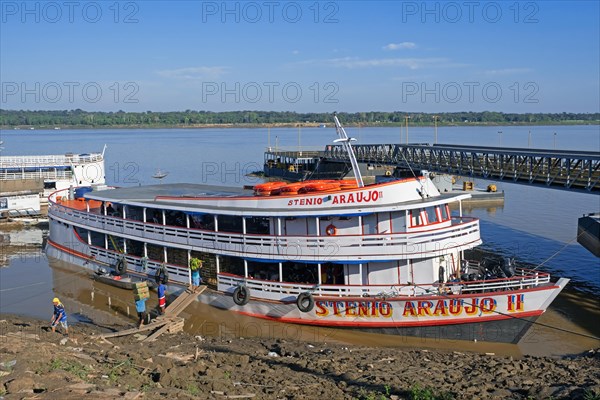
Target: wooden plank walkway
169,321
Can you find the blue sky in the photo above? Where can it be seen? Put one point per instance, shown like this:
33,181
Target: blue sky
301,56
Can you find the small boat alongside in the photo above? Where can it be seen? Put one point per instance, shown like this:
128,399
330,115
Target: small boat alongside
121,281
387,257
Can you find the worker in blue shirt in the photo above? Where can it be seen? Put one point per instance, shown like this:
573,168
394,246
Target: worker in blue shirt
59,316
140,306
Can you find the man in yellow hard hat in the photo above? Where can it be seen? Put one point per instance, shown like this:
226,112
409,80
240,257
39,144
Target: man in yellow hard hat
59,315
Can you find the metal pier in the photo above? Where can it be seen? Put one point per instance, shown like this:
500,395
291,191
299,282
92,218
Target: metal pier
572,170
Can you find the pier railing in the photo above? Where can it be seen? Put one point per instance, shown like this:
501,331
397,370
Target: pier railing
552,168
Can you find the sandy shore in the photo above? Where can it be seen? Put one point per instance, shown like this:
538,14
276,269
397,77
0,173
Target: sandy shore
36,363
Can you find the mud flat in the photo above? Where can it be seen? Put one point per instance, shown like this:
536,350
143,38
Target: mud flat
36,363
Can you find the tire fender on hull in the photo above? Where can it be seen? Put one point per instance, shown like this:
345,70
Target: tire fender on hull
241,295
161,275
305,302
121,266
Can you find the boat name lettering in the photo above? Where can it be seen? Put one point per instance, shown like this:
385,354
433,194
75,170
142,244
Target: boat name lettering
515,302
359,197
354,308
350,198
428,308
310,201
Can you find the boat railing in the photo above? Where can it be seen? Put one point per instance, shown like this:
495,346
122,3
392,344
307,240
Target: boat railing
434,242
48,160
51,174
523,278
140,266
288,291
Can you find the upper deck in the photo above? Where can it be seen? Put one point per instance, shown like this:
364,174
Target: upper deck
390,196
41,161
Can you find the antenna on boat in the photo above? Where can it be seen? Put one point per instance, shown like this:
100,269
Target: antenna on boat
345,141
103,150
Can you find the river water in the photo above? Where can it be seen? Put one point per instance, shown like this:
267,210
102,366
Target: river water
535,225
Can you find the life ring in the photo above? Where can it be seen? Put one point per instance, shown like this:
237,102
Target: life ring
292,168
388,173
305,302
121,266
161,274
241,295
331,230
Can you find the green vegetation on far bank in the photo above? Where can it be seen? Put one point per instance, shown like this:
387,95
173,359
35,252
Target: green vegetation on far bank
10,119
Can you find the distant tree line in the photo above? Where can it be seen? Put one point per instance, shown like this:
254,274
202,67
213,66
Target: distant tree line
80,118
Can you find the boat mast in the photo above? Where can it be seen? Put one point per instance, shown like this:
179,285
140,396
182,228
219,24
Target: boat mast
345,140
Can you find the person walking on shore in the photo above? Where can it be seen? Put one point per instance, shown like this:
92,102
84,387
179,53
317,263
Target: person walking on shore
140,306
59,316
162,300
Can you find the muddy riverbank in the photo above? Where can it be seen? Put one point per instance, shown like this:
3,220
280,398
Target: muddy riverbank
35,362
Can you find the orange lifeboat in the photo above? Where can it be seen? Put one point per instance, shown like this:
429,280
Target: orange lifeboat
348,184
292,188
321,186
267,189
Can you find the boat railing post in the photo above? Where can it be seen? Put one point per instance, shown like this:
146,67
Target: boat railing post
189,271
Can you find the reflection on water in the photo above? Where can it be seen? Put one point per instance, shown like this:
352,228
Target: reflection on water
19,243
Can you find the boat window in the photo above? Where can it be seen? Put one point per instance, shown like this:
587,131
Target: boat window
415,218
135,213
49,185
115,243
444,212
175,218
231,265
264,271
257,225
431,215
177,256
154,216
202,221
332,274
155,252
229,223
398,221
300,272
135,248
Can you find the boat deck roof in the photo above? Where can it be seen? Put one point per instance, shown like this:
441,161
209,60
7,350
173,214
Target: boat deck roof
150,192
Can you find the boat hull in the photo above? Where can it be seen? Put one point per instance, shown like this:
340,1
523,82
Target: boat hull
460,318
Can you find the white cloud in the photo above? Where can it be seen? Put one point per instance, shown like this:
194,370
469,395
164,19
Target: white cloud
508,71
400,46
193,73
410,63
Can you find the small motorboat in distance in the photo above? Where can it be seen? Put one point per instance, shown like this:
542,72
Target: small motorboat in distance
160,174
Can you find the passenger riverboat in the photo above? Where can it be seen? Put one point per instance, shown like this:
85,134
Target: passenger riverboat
387,257
57,171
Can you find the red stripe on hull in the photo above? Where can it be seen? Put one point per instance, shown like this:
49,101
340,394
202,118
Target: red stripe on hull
349,324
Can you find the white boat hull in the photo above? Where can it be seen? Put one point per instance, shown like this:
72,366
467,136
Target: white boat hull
495,316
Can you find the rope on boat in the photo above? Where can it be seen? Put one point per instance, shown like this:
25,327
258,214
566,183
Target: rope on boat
559,251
